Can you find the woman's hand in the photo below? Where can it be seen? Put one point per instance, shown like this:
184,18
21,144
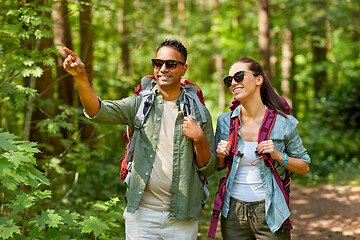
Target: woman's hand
223,149
269,147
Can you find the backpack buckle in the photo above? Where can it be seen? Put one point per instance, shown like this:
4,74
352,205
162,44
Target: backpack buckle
216,213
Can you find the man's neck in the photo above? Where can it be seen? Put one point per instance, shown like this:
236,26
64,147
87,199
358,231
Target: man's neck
170,94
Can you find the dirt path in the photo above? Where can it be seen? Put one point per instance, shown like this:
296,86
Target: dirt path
325,212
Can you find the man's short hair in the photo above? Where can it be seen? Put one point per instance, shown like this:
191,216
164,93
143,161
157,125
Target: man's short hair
175,44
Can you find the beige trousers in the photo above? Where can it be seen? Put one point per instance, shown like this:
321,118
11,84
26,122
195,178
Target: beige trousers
149,224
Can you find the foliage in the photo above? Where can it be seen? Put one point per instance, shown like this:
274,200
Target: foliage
24,188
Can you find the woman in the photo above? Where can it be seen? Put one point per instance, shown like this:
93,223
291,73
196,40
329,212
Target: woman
254,207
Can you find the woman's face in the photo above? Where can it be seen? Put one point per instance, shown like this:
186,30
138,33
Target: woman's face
248,86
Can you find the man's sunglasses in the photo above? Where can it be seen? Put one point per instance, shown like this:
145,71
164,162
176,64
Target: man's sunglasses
238,77
170,64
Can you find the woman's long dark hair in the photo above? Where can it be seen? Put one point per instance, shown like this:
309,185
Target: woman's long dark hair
268,95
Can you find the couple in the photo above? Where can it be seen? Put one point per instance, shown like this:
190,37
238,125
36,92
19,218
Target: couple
164,197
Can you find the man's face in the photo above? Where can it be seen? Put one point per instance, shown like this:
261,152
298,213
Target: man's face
168,79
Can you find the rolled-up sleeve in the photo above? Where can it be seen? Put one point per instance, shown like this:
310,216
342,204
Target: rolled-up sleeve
211,166
293,144
116,112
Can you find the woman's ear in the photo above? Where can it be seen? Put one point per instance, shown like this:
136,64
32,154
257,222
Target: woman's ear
259,80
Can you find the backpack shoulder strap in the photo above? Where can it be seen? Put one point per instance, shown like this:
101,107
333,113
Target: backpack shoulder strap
267,125
220,194
264,134
187,104
147,97
233,138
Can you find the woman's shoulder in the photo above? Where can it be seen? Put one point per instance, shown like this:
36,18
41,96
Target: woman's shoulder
288,118
288,123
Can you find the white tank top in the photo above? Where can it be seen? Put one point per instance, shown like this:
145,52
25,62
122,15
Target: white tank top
247,185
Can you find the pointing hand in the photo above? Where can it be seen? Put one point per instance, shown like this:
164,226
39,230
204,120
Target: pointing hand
73,64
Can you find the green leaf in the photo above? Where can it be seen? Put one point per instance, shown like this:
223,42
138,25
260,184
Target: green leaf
37,72
21,202
7,229
29,147
5,167
93,224
9,183
49,218
42,194
17,158
68,218
35,177
4,143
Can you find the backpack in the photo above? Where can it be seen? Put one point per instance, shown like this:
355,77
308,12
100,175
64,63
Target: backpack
264,133
192,95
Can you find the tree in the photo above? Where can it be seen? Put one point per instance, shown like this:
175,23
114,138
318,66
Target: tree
264,35
63,37
86,54
319,46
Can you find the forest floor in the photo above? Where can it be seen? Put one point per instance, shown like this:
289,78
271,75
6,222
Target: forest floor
325,212
319,213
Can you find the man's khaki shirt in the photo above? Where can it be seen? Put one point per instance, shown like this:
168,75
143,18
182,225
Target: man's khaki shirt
185,201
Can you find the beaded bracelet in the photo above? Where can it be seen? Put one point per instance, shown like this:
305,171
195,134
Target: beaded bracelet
286,158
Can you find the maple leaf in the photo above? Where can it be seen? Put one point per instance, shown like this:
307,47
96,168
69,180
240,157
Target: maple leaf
93,224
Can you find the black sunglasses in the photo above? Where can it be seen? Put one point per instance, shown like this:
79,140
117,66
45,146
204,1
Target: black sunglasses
238,77
170,64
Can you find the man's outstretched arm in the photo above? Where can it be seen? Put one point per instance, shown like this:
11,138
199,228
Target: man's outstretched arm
73,65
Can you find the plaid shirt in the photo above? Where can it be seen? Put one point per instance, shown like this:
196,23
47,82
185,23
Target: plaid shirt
286,139
185,200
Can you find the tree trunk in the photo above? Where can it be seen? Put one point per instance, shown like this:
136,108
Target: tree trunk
264,36
62,37
286,64
168,17
318,43
181,8
45,88
356,18
86,54
125,12
219,62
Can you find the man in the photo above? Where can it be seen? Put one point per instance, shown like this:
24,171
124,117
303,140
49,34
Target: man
164,196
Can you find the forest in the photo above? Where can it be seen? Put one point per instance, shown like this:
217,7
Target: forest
59,173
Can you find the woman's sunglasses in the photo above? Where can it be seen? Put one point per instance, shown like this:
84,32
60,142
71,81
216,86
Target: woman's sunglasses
238,77
170,64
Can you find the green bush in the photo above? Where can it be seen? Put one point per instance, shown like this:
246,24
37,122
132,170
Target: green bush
24,188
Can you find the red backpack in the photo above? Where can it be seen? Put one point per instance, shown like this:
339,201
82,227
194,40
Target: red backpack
192,96
264,133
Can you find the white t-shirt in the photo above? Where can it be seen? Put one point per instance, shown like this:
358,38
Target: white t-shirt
247,185
157,191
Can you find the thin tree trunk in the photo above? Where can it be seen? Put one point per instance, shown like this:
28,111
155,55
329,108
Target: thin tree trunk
286,64
356,18
29,111
125,11
264,35
86,54
168,17
319,50
219,62
138,22
181,8
62,37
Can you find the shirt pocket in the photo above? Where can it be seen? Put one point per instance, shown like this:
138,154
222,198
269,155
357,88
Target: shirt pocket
278,137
